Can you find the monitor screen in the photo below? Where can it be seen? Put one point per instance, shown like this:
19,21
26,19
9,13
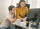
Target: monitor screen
32,14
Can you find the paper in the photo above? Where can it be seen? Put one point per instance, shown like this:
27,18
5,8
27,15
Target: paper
23,23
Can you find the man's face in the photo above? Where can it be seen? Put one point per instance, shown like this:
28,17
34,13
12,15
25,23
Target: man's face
13,10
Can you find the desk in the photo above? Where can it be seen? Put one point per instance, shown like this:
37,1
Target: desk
18,24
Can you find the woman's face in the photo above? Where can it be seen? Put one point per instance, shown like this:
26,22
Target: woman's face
22,4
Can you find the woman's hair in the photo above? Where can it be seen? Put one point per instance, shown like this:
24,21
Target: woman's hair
19,3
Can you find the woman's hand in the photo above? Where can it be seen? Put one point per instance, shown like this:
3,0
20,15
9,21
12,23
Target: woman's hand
21,19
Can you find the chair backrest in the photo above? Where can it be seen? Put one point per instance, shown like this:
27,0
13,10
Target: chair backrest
28,5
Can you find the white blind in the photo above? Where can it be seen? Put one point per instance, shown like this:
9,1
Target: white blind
33,3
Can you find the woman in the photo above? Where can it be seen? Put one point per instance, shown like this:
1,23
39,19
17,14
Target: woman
21,10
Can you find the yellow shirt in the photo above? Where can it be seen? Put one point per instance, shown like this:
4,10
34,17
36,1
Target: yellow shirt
21,13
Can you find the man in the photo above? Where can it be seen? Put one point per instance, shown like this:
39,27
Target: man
8,18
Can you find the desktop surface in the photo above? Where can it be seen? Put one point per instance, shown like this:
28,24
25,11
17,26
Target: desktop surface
23,26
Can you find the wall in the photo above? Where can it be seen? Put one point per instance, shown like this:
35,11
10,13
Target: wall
4,8
15,2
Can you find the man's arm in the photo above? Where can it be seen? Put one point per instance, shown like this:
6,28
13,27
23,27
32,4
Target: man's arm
11,20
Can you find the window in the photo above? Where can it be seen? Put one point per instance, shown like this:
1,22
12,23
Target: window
33,3
14,2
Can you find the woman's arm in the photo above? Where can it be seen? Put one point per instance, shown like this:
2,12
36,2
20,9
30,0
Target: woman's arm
17,14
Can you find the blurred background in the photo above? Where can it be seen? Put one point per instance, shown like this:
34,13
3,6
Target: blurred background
4,4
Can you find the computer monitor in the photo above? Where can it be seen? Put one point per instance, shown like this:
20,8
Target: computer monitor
32,14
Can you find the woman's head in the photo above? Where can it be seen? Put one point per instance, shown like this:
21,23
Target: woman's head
21,4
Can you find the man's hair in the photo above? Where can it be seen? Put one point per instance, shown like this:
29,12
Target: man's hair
10,7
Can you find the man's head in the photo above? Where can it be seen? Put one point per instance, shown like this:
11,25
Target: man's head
11,9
